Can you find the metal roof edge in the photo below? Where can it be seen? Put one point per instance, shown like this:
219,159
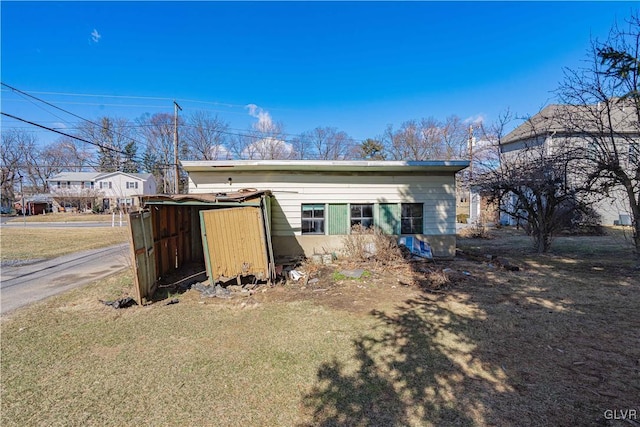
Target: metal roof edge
320,165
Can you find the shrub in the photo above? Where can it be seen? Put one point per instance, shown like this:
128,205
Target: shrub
371,243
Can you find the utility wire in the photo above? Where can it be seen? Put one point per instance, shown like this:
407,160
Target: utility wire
74,115
63,133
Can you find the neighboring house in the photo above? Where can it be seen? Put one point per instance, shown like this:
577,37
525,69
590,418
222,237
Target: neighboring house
557,127
100,190
315,203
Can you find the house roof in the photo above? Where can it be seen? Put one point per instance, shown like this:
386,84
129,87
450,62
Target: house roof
578,119
141,176
450,166
75,176
93,176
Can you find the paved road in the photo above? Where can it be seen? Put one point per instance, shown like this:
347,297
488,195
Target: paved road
26,284
15,223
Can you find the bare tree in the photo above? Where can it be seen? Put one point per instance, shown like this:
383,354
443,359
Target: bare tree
111,136
603,114
16,146
428,139
264,141
206,137
535,187
326,143
67,154
158,158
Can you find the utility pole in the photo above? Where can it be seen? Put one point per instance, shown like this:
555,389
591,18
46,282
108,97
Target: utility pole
175,148
470,152
471,212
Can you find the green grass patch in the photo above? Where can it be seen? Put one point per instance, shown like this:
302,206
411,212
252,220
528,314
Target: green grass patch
338,275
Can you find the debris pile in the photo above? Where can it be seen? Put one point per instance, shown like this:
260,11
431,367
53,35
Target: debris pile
120,303
216,291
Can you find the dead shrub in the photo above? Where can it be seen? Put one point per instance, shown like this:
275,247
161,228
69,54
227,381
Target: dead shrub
476,231
438,279
366,244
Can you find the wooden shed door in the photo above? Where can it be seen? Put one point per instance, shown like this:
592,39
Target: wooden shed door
144,260
236,243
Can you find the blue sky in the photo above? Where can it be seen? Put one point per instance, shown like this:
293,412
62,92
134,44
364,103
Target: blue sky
357,66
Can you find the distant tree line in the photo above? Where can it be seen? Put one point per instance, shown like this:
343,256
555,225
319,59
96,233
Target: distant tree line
146,145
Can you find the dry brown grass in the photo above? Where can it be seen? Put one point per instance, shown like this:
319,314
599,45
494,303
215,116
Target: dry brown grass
67,217
555,343
21,243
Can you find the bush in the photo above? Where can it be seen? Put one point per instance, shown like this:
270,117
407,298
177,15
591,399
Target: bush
365,244
462,218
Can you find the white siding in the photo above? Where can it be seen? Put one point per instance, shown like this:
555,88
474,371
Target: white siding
437,192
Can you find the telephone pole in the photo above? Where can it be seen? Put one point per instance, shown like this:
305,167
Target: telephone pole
175,148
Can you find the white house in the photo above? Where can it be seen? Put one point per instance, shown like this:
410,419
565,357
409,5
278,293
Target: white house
315,203
110,189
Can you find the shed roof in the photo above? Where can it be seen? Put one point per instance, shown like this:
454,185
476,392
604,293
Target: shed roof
207,198
450,166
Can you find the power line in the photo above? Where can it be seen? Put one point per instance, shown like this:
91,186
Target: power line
155,98
63,133
74,115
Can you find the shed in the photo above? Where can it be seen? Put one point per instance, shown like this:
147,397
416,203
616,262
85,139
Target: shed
229,233
316,203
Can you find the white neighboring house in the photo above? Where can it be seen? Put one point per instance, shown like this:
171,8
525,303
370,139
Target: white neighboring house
315,203
560,126
100,190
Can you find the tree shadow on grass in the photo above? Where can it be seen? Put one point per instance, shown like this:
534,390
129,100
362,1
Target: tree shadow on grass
412,369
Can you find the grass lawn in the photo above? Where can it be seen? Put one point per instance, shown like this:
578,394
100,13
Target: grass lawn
23,243
68,217
555,343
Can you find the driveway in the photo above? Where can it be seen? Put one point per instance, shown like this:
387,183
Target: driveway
25,284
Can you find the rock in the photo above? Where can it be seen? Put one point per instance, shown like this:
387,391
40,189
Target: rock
353,274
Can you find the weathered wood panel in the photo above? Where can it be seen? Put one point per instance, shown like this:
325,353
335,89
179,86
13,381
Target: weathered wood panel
236,244
144,255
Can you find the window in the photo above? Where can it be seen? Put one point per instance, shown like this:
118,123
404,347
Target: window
312,219
411,218
131,184
362,215
634,153
105,185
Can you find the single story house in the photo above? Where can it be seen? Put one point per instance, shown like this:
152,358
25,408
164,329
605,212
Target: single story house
109,190
315,204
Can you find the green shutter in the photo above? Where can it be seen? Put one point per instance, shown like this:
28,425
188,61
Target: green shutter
387,217
338,219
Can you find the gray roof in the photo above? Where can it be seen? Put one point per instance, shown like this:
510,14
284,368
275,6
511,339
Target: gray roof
578,119
75,176
93,176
